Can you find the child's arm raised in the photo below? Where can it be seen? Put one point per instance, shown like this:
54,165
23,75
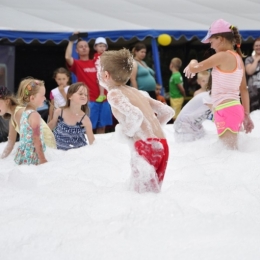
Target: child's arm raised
52,124
213,61
35,123
11,141
51,110
88,126
129,116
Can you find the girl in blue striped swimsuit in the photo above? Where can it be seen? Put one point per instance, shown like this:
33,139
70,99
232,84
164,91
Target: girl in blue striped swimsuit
71,124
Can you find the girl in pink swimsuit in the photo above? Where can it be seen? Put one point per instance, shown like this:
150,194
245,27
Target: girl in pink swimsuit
228,81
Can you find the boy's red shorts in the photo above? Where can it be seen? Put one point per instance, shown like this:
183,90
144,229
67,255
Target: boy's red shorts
156,152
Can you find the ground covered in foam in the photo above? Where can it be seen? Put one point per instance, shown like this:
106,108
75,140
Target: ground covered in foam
78,206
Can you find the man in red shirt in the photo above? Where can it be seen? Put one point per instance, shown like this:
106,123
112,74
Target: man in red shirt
85,71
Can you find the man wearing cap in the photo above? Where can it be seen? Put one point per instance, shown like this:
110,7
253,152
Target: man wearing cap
85,71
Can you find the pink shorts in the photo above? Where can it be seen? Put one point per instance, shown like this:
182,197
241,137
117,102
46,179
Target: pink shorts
229,116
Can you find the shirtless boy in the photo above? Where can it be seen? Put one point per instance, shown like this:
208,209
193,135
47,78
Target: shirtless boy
140,118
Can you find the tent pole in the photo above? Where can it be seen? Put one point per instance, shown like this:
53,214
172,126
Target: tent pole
156,60
75,56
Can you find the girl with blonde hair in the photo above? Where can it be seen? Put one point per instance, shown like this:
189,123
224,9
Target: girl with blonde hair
31,148
12,109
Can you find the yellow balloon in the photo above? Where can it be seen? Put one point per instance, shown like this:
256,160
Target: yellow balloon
164,39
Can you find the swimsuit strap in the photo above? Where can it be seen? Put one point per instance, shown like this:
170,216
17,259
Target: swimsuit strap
61,113
29,112
82,119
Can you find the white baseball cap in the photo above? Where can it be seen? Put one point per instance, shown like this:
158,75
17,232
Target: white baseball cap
100,40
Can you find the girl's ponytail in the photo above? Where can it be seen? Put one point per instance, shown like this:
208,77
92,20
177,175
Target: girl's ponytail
238,40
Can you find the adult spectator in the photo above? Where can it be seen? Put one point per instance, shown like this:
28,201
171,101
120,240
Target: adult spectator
252,66
142,76
85,71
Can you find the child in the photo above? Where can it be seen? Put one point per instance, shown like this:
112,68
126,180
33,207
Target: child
71,123
11,109
31,148
228,81
3,122
188,125
100,46
203,81
135,112
158,94
58,96
177,92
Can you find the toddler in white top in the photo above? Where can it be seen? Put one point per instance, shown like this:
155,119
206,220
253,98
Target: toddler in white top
58,95
188,125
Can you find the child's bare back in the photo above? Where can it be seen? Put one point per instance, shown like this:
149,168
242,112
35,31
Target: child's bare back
140,118
135,111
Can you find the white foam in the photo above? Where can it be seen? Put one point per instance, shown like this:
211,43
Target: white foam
79,206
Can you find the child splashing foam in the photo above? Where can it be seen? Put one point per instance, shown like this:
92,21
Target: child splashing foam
135,112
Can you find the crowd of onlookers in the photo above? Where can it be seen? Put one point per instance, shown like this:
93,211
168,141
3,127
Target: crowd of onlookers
142,78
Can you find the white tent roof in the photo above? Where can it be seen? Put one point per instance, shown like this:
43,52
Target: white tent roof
56,19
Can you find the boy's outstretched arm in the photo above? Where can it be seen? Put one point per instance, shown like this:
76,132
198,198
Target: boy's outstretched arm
129,116
164,112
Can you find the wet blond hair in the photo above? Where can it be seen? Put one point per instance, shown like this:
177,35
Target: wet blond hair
119,64
28,87
203,73
206,73
73,89
176,62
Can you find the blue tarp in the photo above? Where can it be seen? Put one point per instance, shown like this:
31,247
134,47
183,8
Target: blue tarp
58,37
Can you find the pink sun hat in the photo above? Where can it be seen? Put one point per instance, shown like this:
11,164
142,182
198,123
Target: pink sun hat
219,26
